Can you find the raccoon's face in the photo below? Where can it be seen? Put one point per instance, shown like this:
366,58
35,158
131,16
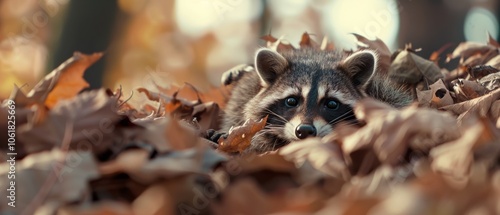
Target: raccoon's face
305,93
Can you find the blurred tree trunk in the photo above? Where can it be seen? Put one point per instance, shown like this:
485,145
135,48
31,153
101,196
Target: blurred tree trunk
87,28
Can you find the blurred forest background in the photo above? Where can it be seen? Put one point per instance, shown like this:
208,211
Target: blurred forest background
176,41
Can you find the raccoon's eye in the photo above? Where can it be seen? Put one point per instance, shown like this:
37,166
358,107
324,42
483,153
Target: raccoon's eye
291,102
332,104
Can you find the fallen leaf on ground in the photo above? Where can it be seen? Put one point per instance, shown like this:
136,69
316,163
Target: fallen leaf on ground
239,138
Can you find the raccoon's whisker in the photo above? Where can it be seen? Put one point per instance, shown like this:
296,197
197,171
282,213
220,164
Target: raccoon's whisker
275,114
274,145
347,122
341,117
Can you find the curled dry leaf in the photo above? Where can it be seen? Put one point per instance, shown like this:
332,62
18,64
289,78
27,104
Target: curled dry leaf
390,132
185,103
492,41
65,81
410,68
466,90
478,72
239,138
480,105
277,44
494,62
437,96
491,81
435,55
322,153
307,42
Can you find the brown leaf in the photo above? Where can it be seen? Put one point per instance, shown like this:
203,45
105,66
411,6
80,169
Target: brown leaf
494,62
59,177
390,131
127,161
435,55
307,42
326,46
166,134
437,96
479,72
454,159
277,44
154,200
239,138
92,115
495,110
269,38
207,116
65,81
467,49
323,154
491,81
466,90
492,41
380,47
409,68
197,160
71,81
480,105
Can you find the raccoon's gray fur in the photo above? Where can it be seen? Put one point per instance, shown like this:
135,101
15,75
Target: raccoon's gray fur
304,92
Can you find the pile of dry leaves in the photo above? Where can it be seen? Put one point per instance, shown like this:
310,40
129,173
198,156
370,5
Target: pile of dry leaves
94,152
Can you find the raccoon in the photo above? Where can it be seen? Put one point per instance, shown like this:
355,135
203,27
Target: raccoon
304,93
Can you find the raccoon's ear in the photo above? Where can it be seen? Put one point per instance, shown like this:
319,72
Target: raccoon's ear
269,64
361,66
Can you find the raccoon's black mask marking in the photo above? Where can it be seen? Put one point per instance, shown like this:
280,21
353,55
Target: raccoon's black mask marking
304,92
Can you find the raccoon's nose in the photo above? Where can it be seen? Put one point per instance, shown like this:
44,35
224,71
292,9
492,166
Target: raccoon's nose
305,130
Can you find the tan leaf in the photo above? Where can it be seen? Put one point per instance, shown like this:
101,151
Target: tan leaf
437,96
390,131
408,67
480,105
239,138
323,154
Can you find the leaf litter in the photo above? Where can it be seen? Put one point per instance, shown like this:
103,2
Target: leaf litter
107,155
